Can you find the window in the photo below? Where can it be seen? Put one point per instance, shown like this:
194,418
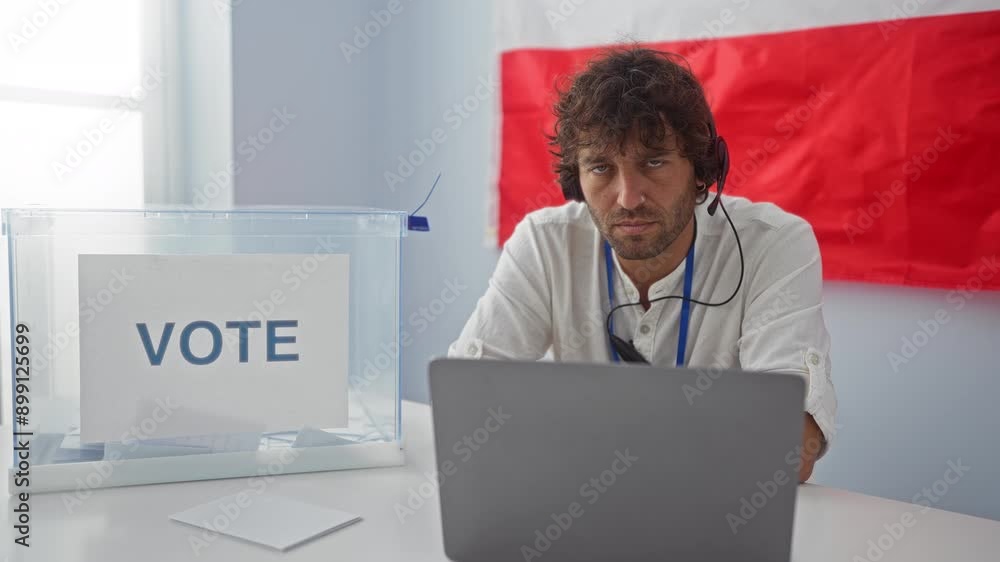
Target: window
82,90
80,84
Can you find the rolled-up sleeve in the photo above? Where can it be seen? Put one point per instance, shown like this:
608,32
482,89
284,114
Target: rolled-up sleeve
513,320
783,329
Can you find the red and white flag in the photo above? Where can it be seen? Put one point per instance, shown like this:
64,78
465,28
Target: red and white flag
878,122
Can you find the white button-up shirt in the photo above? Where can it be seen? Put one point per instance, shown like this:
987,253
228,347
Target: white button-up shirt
549,296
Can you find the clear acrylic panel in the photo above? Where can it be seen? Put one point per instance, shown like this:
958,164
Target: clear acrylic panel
44,248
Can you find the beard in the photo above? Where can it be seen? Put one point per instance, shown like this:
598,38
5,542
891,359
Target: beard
668,226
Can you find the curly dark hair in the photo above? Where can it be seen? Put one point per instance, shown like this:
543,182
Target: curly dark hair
627,88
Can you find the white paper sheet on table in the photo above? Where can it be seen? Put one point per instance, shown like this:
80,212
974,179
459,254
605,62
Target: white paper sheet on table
270,520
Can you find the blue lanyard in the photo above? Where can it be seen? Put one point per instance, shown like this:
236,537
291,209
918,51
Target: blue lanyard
685,303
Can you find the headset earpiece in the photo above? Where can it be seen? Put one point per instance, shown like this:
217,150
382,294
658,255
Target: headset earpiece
722,156
574,192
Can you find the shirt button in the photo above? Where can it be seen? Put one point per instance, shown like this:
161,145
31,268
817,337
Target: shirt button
814,359
472,348
644,329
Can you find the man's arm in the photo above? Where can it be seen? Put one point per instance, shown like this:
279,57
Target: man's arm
784,331
513,320
812,444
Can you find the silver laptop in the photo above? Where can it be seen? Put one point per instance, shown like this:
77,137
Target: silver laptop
561,461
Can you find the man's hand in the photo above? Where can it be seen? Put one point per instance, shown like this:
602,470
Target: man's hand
812,444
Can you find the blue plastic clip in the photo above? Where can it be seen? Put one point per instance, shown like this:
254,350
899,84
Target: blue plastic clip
417,223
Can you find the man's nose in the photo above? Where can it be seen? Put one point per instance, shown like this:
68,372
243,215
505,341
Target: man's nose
630,187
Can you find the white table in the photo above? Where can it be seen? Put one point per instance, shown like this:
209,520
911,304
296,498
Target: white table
131,523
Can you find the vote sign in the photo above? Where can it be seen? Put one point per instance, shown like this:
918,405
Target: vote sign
204,345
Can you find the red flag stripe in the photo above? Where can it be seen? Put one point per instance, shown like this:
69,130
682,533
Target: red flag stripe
879,134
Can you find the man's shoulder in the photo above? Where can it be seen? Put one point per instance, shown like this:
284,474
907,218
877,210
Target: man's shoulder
571,213
554,223
775,242
761,220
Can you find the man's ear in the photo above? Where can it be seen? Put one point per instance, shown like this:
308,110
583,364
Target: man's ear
701,191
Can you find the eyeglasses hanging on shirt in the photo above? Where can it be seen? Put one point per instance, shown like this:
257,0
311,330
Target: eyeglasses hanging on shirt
626,351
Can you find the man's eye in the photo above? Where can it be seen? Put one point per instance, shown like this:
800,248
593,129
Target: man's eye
654,163
599,169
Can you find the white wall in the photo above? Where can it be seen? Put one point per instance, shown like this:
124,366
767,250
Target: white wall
205,99
900,428
194,40
285,55
355,119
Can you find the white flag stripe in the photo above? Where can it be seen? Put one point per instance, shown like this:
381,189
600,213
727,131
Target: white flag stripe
568,24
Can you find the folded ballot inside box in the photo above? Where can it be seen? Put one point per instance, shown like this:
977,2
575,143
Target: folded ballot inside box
203,339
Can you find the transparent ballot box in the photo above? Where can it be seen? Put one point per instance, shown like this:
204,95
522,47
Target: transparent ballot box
171,345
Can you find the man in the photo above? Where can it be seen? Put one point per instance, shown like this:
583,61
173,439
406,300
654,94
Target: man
636,143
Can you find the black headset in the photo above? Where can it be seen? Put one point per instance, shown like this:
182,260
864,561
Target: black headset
626,349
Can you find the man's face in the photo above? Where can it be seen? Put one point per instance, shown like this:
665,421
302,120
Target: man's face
641,198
